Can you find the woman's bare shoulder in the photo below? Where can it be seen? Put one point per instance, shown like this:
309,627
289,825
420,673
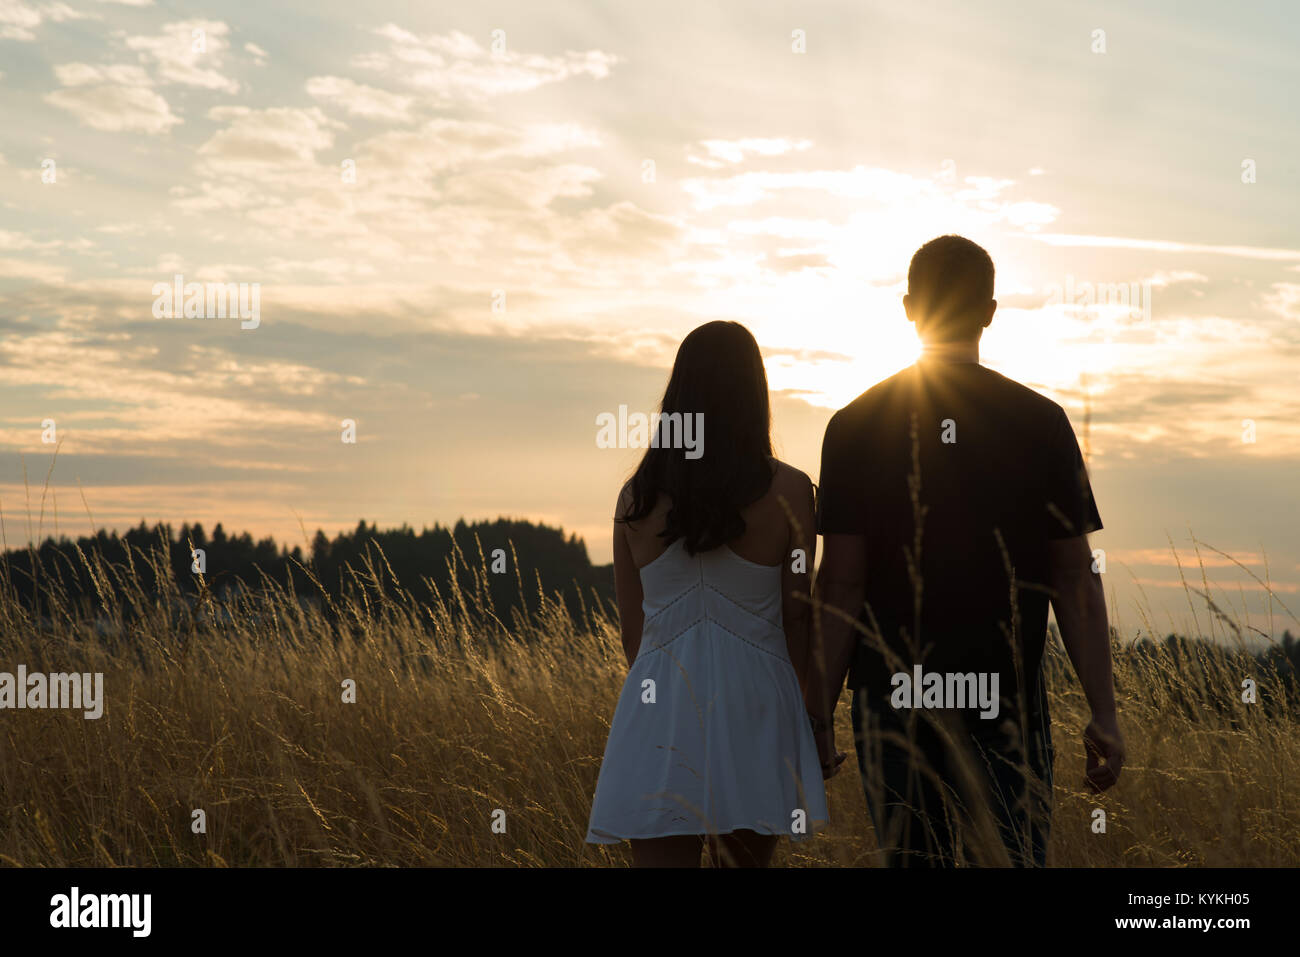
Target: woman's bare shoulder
624,502
788,480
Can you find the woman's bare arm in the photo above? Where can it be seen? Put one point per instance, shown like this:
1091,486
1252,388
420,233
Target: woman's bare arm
796,492
627,586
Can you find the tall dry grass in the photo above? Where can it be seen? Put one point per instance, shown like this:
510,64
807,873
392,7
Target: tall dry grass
234,707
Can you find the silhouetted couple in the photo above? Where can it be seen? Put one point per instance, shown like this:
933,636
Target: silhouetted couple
954,506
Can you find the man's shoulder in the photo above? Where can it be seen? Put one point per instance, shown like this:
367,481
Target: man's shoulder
1021,396
880,403
882,393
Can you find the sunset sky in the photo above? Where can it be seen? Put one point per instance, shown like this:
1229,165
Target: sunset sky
540,214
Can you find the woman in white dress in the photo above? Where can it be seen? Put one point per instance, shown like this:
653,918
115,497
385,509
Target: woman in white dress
713,557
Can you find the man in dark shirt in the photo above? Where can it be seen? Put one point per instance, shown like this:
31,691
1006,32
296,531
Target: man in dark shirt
955,505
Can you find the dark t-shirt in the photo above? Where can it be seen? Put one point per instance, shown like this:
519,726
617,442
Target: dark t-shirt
1008,478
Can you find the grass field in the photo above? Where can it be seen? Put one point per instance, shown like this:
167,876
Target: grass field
458,713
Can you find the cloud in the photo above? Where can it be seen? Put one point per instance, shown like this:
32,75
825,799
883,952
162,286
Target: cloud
121,97
979,198
327,269
1162,279
1168,246
27,269
187,53
719,153
359,99
1194,587
537,187
1284,300
450,200
11,241
795,262
82,74
263,160
19,20
622,231
405,162
256,52
143,407
111,98
746,189
1187,559
276,137
456,67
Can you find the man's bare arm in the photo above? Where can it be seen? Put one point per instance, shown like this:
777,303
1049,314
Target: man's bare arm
841,587
1080,605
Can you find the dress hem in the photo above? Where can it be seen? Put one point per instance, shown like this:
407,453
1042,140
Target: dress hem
606,837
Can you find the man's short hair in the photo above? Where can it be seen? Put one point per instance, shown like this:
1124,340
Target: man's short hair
950,282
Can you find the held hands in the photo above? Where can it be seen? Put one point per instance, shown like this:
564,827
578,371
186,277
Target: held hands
824,735
1103,742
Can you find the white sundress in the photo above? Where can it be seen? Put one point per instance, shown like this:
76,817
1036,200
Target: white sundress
720,741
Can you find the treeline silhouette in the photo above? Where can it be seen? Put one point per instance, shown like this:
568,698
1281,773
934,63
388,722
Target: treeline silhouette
507,567
1164,670
1274,671
518,564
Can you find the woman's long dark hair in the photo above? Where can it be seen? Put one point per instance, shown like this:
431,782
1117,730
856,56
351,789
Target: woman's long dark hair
718,373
